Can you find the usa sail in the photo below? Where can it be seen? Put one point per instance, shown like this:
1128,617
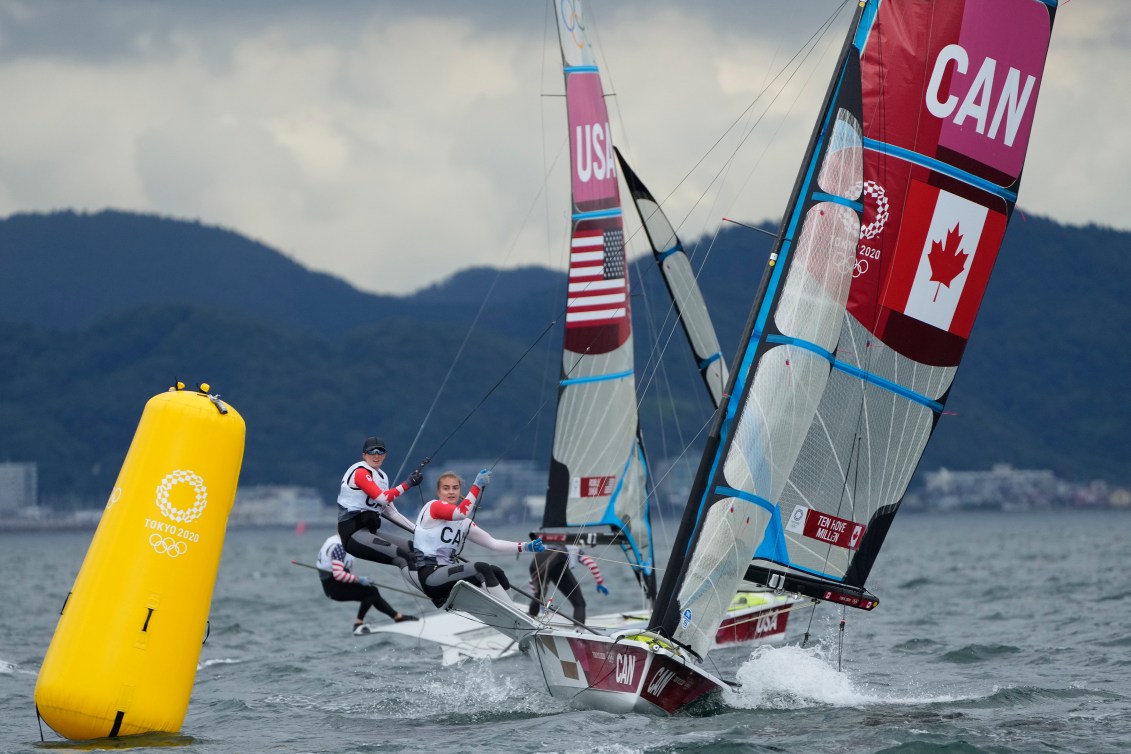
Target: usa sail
598,470
599,479
854,338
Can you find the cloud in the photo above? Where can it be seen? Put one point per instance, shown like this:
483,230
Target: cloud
392,144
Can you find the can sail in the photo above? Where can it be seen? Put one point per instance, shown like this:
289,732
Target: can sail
598,472
884,254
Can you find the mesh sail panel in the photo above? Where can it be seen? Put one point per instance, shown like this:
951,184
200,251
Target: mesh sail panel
885,253
730,531
842,172
812,302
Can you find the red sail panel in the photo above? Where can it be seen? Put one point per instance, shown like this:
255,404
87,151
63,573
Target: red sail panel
970,100
590,144
597,313
943,131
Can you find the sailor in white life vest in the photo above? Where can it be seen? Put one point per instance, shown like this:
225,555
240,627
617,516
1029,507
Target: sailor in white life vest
364,498
443,527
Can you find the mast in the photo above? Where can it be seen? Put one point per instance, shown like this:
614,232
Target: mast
850,350
598,472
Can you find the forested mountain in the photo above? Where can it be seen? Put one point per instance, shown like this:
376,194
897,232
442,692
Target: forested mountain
99,312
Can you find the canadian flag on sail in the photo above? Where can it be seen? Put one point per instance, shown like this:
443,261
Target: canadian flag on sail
945,253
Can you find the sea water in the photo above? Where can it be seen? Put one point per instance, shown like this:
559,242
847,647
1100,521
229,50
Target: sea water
995,633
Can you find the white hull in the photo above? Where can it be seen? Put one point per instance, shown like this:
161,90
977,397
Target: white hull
756,617
458,636
622,673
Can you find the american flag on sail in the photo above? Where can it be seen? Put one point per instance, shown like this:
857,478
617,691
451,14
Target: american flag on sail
598,291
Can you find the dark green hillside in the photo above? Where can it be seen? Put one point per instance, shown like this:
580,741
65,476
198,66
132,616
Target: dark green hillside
100,312
72,400
69,270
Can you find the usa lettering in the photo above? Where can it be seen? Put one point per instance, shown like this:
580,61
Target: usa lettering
989,101
766,625
626,668
594,152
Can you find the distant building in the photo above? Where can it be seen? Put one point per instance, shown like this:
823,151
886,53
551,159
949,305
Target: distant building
19,487
279,505
1120,498
1000,488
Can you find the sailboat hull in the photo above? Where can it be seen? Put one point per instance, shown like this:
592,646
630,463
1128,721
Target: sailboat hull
485,628
618,673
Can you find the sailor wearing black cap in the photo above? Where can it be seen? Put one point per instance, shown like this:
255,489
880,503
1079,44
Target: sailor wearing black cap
364,498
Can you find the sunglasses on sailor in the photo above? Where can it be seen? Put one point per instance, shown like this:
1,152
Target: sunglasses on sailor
376,451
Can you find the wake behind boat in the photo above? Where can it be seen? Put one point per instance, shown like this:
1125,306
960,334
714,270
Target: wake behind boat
618,668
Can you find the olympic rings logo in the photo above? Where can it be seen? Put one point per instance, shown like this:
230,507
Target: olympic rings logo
182,515
167,545
844,262
571,17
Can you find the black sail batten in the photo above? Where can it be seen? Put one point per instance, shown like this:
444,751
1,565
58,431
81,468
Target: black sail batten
682,285
809,586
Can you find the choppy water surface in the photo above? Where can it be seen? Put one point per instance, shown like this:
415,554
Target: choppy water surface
995,633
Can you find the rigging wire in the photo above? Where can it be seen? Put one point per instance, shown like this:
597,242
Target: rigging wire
492,390
792,66
541,194
470,330
656,370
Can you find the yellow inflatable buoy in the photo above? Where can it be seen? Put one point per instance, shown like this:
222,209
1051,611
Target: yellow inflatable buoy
124,654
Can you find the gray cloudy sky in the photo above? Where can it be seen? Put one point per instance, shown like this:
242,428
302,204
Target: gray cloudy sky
393,143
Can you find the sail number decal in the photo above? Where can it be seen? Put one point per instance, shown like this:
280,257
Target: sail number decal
610,667
592,486
841,532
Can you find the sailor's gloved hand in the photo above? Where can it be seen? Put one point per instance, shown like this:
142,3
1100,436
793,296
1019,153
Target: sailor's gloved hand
534,545
415,478
602,589
483,478
365,581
